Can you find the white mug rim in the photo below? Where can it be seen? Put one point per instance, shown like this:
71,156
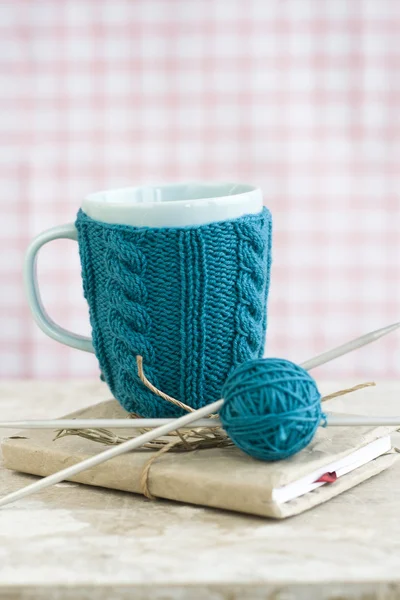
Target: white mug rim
145,205
106,195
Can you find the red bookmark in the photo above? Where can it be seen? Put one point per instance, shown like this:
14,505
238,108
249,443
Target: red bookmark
327,478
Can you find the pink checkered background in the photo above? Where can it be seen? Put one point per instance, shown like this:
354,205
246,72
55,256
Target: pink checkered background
300,97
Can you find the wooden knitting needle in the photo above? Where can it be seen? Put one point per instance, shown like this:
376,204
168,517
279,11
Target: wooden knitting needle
188,419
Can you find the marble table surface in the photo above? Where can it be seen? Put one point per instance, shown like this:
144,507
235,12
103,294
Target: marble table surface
73,541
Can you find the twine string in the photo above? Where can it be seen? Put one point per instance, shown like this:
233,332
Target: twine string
212,433
145,474
152,388
348,390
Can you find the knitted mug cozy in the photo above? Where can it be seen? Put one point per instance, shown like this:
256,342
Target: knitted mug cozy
190,300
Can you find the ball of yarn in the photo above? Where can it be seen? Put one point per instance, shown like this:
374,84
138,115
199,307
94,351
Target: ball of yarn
272,408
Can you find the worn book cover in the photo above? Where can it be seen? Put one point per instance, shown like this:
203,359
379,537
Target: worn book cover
338,459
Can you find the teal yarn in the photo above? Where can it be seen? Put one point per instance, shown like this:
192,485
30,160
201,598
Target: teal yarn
272,408
190,300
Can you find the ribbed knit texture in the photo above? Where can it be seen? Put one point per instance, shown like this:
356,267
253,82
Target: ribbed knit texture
190,300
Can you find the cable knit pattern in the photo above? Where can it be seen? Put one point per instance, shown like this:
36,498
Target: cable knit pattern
128,319
190,300
251,285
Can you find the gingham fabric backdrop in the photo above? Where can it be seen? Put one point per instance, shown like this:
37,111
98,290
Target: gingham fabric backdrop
300,97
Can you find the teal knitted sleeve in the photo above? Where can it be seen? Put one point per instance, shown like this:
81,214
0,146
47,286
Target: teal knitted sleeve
192,301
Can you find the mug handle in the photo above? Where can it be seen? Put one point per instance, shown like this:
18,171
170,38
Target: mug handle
39,313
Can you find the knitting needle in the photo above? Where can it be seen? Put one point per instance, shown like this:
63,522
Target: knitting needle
350,420
145,423
102,423
332,419
368,338
150,436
